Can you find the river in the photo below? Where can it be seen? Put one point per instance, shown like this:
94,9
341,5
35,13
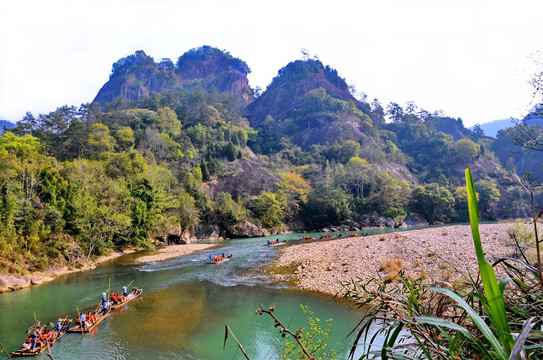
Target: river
182,312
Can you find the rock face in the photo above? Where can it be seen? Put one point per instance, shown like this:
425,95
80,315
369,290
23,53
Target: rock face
177,235
248,230
311,104
293,82
10,282
210,232
138,75
209,67
375,220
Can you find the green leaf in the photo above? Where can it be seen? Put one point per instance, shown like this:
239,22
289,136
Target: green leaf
495,307
477,320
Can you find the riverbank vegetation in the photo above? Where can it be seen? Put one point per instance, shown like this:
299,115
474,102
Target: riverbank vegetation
490,317
182,162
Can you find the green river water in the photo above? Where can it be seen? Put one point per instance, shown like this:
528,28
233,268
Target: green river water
182,312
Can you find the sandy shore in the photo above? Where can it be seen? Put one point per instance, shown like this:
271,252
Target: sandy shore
173,251
9,282
444,254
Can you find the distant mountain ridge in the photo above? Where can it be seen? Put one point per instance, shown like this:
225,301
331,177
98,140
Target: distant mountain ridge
6,124
492,128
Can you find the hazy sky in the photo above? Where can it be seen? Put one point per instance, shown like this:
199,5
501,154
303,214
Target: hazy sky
471,59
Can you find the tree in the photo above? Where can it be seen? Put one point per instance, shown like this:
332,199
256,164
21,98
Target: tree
294,188
434,202
478,132
388,195
144,212
230,151
99,140
187,212
125,138
229,213
101,207
326,205
377,112
441,145
348,150
357,174
25,126
269,209
166,64
167,121
466,150
395,111
489,195
529,137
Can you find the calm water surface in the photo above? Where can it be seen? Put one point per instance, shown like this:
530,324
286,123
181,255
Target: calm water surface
182,312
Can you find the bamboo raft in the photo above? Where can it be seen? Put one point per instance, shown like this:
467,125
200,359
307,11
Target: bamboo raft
220,259
41,345
90,327
133,295
277,243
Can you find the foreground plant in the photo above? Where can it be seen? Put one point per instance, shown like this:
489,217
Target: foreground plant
438,323
308,344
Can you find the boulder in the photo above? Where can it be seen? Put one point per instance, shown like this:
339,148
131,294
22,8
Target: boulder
10,282
248,229
209,232
373,219
415,220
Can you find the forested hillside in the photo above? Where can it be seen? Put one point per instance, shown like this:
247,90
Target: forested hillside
170,153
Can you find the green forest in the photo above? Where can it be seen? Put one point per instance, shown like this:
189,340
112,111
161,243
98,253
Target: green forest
195,159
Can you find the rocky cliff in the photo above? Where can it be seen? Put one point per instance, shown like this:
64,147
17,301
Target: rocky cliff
138,75
311,104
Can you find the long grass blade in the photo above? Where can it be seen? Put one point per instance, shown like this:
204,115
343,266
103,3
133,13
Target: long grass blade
477,320
495,304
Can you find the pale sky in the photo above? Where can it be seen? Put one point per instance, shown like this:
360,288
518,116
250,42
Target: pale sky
471,59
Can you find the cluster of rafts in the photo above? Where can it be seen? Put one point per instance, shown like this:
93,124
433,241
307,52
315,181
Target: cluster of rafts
40,338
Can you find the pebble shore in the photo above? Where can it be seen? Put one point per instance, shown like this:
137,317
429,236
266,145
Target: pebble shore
441,255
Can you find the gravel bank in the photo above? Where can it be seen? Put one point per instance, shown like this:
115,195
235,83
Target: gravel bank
444,254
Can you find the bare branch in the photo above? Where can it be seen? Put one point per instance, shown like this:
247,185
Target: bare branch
284,330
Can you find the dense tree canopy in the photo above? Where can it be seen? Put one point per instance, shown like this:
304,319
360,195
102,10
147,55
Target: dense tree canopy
90,179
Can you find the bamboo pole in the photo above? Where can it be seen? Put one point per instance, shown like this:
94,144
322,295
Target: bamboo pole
127,286
228,330
80,323
4,350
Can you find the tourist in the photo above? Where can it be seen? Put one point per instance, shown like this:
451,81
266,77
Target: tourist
34,338
82,320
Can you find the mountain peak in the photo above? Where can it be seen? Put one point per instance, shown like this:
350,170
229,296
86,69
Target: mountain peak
137,75
218,60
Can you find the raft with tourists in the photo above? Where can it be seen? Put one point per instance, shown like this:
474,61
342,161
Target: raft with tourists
90,320
276,242
119,300
40,338
219,259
